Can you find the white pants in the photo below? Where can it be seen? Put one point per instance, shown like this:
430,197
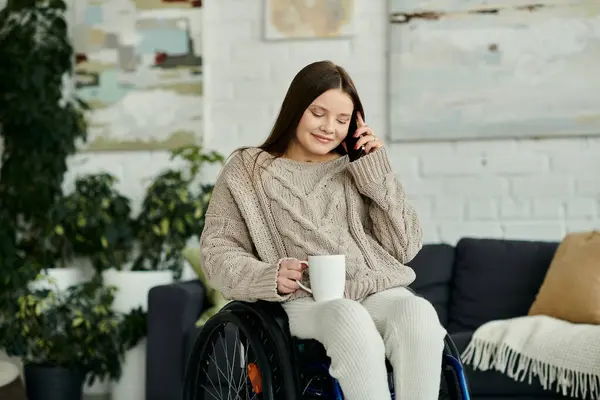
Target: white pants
359,336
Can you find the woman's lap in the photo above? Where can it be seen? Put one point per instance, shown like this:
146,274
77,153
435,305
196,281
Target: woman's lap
310,319
351,340
359,336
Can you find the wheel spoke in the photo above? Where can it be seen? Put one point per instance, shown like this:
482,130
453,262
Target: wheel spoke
212,378
221,336
243,379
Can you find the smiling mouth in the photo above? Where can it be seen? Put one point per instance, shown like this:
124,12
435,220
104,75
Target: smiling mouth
322,139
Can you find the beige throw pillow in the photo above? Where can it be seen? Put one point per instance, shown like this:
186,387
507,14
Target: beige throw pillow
571,288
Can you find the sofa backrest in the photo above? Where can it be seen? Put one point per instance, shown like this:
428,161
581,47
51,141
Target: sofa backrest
434,266
495,279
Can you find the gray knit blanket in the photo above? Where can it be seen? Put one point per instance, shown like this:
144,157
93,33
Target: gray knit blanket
564,357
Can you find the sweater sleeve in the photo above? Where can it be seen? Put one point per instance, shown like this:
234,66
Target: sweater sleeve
226,253
393,220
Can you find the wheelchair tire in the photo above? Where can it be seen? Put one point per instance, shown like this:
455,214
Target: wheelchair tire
254,368
456,382
280,349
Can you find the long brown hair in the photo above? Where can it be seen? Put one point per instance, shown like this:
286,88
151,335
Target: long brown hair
308,84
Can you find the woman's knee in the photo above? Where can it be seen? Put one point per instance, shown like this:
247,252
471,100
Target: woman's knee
416,315
348,332
346,321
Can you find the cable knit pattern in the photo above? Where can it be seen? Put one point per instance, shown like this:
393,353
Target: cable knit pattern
324,229
264,209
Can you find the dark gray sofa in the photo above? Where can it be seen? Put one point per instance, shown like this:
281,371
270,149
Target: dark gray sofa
476,281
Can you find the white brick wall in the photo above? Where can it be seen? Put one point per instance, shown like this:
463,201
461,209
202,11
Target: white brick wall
518,189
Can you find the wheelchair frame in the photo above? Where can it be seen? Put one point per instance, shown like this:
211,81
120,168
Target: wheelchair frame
273,320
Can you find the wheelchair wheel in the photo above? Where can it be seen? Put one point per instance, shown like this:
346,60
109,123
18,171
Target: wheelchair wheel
262,317
454,385
229,361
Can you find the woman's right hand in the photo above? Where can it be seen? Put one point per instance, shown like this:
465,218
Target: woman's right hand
290,271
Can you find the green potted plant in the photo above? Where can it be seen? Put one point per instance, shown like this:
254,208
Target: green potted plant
173,211
171,214
95,221
64,337
87,231
40,124
90,230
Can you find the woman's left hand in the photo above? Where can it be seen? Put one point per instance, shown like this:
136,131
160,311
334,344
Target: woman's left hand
367,136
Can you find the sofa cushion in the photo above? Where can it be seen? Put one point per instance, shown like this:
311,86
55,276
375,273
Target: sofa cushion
495,279
433,266
571,288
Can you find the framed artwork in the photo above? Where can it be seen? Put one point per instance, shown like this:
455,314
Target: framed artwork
308,19
139,67
465,69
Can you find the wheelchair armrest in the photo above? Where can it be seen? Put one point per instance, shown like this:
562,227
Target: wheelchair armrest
276,311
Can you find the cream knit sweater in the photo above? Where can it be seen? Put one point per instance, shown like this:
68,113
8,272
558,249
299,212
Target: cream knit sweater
264,209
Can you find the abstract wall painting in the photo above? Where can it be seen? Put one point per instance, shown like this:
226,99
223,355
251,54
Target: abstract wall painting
139,67
465,69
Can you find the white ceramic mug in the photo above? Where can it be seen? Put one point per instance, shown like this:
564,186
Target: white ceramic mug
327,277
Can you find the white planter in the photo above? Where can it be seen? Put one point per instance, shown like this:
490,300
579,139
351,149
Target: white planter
132,385
13,360
63,279
98,388
85,265
8,373
133,288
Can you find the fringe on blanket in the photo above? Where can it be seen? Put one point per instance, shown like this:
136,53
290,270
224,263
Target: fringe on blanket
485,356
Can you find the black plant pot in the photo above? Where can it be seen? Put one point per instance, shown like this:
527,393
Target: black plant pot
53,383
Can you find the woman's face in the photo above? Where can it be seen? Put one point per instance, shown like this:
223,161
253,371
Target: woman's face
323,126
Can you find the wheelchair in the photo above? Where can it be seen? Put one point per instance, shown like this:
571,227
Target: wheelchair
246,351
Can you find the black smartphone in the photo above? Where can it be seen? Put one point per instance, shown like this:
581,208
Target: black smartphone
350,140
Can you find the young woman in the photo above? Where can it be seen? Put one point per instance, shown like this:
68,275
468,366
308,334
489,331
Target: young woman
299,194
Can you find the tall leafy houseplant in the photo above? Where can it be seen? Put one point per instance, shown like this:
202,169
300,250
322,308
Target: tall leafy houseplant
173,211
94,221
40,125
